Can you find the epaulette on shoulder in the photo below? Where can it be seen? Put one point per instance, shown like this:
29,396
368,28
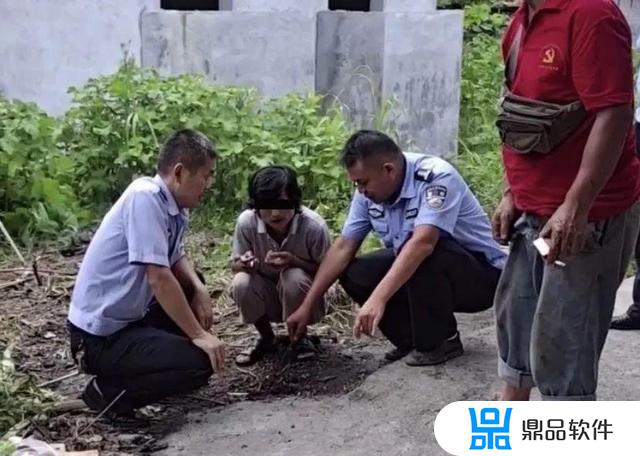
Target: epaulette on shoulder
424,174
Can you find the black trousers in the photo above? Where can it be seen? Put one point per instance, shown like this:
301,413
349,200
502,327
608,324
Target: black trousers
420,314
149,359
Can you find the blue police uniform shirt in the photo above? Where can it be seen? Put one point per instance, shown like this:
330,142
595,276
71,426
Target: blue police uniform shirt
145,226
433,193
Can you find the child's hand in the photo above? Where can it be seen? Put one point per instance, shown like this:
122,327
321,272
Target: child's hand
280,259
248,261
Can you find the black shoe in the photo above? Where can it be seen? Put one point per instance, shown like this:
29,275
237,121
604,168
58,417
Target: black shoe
253,355
92,396
625,322
397,353
450,348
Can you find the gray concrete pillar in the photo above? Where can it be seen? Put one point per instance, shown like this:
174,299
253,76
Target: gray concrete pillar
404,6
412,60
271,51
300,6
631,10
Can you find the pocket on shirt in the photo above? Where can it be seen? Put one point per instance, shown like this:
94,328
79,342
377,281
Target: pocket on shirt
380,226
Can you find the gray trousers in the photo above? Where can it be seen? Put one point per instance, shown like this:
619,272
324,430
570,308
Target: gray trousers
552,322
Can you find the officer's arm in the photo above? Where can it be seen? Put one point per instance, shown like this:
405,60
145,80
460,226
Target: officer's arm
187,277
333,265
167,290
413,253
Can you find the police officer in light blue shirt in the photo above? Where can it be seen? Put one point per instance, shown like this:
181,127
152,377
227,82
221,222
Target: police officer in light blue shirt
139,313
439,254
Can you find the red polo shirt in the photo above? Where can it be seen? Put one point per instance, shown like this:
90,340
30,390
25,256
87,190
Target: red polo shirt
572,50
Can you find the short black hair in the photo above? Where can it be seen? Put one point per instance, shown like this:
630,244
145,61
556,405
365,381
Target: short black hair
364,144
187,146
270,182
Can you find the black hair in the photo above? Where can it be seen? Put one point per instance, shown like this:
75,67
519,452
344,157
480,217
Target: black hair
189,147
364,144
270,182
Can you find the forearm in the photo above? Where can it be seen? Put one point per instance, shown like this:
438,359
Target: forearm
601,155
405,265
309,267
186,275
169,294
335,262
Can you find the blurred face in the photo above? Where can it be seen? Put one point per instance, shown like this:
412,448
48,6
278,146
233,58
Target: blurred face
277,219
376,178
189,187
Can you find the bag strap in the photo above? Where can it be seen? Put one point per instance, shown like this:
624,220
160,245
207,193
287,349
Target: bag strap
511,63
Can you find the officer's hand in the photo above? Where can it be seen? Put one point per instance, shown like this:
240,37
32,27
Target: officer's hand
202,308
565,231
213,347
503,219
368,318
297,324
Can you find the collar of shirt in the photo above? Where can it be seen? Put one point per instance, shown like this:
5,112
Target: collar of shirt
293,229
547,5
172,205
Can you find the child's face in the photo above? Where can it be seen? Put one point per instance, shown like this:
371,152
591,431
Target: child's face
277,219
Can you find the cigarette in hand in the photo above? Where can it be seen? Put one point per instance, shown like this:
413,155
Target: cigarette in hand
544,249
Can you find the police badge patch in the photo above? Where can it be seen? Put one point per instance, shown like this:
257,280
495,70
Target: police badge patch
435,195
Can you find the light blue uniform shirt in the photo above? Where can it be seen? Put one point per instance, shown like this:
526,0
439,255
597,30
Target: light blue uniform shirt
433,193
145,226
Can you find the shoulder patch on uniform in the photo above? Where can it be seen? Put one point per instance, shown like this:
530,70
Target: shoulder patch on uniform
375,212
423,174
435,196
411,213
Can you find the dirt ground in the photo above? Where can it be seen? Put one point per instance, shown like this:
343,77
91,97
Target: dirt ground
32,319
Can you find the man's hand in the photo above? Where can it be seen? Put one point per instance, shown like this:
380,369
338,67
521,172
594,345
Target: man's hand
202,308
368,318
565,231
280,259
503,219
213,347
297,324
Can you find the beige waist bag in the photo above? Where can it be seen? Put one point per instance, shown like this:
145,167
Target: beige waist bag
528,125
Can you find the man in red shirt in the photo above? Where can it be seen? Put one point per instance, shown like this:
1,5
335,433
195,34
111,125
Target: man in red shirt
553,312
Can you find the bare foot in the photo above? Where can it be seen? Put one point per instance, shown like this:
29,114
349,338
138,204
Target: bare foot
512,393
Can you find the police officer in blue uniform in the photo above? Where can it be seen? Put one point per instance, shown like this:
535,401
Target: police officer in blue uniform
139,316
439,256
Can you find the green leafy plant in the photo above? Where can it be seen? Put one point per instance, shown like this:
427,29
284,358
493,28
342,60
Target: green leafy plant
35,195
482,78
20,398
118,122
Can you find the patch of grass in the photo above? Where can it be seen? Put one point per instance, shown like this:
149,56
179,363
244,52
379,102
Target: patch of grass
20,397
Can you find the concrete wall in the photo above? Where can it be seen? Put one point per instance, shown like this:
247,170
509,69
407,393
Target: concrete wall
422,70
631,9
411,59
404,6
404,50
274,52
309,7
350,62
47,46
